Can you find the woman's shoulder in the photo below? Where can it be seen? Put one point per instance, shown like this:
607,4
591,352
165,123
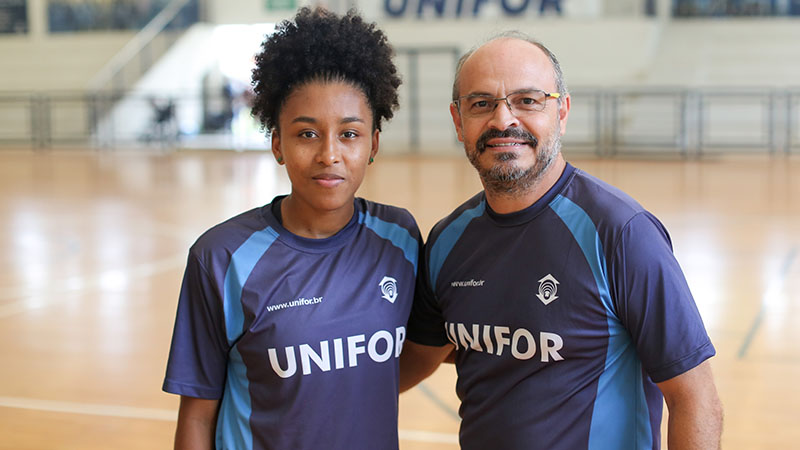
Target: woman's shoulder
230,234
386,213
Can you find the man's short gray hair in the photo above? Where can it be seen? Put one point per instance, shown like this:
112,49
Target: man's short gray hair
561,85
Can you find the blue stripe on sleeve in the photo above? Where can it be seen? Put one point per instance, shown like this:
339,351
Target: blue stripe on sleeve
233,425
394,233
621,381
242,262
448,238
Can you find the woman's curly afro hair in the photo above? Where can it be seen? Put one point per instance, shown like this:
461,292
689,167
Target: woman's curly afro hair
319,45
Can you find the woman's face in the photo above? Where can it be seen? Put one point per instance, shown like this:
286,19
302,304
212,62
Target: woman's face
325,138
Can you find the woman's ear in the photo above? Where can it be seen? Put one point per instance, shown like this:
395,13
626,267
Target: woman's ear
375,140
276,146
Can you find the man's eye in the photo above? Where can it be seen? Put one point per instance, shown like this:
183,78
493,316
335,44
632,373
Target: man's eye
480,104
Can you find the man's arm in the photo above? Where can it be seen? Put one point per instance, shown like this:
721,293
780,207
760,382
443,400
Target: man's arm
197,422
418,361
695,412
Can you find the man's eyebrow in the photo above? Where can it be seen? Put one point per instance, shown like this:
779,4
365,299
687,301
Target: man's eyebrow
477,94
486,94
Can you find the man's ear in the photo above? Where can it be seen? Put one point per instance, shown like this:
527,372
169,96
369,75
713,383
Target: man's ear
563,112
457,121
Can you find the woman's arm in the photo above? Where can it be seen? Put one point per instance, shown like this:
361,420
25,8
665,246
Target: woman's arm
418,361
197,422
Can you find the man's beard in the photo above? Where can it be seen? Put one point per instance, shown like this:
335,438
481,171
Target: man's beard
504,177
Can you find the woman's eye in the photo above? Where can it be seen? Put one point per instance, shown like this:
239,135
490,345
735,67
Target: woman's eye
307,134
349,134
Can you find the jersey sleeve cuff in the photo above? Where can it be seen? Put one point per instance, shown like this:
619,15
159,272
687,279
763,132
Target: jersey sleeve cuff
188,390
683,365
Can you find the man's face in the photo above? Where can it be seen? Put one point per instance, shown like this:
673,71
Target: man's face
510,150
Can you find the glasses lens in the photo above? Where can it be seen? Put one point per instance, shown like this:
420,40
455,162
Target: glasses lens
478,105
520,103
527,101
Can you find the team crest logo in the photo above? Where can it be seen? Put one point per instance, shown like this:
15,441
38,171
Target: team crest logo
548,287
389,289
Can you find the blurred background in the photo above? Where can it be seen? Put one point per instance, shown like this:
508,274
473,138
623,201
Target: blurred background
685,77
125,132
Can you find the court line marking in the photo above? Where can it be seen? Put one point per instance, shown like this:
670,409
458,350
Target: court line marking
44,297
773,288
170,415
428,436
126,412
428,392
56,290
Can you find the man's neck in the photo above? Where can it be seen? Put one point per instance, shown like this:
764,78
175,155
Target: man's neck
505,204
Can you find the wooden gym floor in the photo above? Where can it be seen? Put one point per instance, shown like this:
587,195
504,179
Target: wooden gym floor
93,247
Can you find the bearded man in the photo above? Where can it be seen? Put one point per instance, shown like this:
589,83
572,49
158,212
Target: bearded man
556,295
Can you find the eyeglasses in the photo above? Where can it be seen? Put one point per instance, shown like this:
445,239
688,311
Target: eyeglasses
519,103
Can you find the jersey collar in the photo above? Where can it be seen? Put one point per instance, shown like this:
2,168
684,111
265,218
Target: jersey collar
529,213
271,212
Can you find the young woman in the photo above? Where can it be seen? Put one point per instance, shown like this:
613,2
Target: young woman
292,316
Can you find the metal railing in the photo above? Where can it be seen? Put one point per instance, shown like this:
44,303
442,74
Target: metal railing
606,122
415,80
689,122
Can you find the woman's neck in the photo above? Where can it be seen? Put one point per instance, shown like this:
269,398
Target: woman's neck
301,219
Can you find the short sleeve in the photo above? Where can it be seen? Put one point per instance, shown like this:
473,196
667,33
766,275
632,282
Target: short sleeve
198,355
654,302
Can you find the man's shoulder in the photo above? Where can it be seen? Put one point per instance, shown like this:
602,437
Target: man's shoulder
600,200
461,216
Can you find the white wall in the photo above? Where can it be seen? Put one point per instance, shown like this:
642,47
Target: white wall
590,52
58,62
250,11
39,61
734,52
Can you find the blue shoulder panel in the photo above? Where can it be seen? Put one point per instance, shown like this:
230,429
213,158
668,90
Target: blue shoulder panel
621,382
394,233
242,262
448,238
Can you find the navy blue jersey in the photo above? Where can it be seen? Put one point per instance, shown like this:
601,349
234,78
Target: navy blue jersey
299,338
564,316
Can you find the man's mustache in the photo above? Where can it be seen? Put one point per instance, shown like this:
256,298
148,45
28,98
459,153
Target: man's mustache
512,132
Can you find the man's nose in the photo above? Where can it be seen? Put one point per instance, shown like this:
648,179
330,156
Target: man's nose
502,116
